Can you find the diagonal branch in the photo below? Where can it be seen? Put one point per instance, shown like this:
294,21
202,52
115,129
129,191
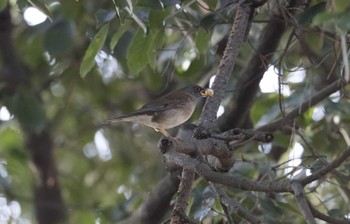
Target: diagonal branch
208,116
247,85
331,166
237,35
299,194
233,205
307,104
326,218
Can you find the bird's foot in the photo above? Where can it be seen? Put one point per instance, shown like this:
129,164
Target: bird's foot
163,131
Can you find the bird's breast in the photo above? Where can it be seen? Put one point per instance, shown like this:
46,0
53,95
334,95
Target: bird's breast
174,117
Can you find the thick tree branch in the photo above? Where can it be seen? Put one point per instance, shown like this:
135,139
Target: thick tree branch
237,35
245,184
243,135
178,215
13,72
215,147
49,204
48,198
201,168
247,85
218,149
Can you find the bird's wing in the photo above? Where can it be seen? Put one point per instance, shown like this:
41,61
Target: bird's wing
160,105
151,108
148,109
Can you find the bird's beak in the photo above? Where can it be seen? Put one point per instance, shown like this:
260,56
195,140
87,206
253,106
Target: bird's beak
207,92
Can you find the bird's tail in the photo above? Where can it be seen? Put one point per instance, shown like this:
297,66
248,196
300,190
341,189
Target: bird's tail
117,119
112,120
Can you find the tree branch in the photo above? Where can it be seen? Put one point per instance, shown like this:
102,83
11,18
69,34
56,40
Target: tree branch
307,104
237,36
178,215
48,200
218,149
299,194
215,147
233,205
331,166
326,218
247,84
14,72
202,169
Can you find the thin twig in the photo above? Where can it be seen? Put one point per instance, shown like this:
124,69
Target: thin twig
307,104
331,166
233,205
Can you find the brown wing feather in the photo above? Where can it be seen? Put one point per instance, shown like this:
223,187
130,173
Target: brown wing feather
166,102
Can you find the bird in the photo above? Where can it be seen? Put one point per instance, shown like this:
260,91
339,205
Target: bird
168,111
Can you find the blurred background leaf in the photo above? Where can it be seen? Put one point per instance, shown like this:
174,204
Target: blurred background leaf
135,51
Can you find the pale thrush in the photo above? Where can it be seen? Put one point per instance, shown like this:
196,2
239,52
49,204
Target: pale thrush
167,111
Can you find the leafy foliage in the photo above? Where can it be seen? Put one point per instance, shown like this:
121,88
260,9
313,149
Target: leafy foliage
91,60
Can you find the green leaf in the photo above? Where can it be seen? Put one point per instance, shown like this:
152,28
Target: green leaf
83,216
3,4
138,51
103,16
210,20
265,110
10,140
288,207
42,7
29,111
22,5
323,17
137,19
153,50
212,4
59,38
156,19
120,51
335,212
308,15
341,5
195,68
314,40
202,40
269,205
118,5
94,47
154,5
115,38
343,22
170,2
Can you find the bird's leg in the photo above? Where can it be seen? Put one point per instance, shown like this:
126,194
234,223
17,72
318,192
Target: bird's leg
163,131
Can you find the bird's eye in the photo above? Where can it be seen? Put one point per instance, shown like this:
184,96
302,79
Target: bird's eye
198,89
